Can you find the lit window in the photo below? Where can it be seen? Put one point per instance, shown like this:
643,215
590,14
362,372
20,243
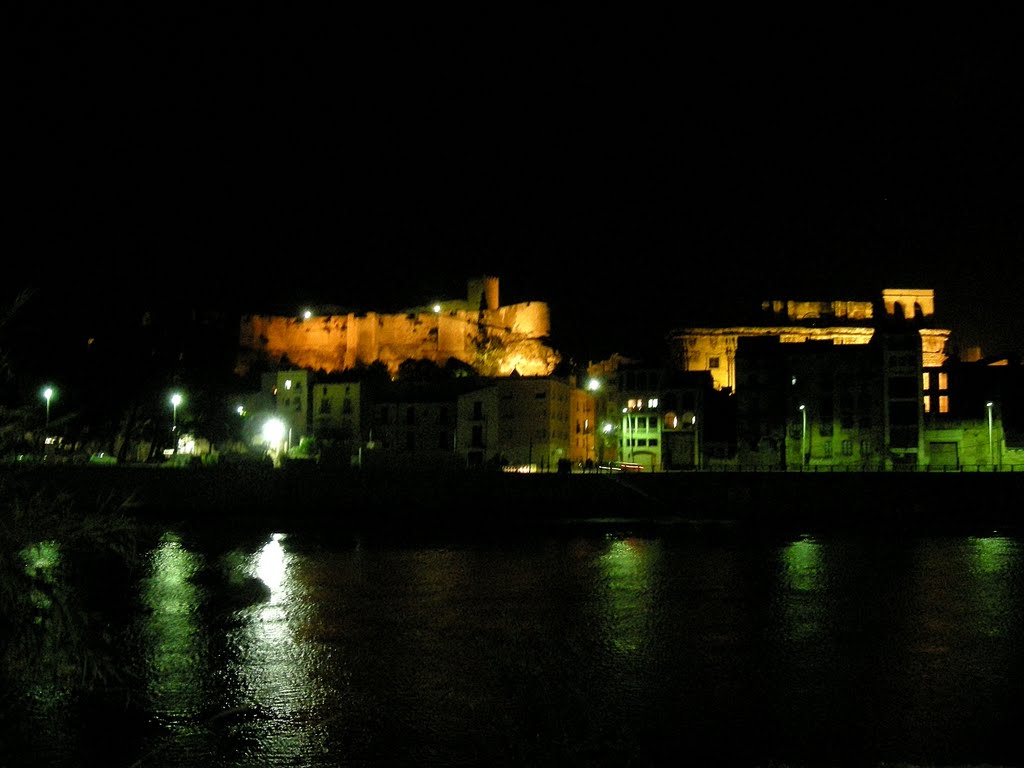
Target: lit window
943,384
927,378
943,403
927,402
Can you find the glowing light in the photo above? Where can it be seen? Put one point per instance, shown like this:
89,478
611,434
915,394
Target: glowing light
273,431
176,400
47,394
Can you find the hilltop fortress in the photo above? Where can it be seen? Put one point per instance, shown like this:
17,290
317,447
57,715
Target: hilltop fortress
477,331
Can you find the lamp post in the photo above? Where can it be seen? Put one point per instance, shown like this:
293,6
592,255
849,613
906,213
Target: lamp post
175,402
696,443
803,435
627,433
47,394
991,452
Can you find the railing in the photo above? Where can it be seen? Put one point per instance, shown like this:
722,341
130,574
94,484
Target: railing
844,468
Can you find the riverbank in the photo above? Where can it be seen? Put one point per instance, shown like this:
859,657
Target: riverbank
309,496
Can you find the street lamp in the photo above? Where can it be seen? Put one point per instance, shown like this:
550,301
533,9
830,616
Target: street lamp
273,433
803,434
696,443
627,432
175,402
47,394
991,452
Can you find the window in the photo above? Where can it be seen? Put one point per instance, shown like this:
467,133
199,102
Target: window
927,403
712,362
926,377
943,403
477,440
478,409
847,447
410,415
826,449
943,383
325,406
865,447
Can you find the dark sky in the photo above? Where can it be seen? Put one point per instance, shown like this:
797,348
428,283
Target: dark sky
635,171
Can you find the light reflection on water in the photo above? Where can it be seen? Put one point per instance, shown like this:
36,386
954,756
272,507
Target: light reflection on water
174,634
603,649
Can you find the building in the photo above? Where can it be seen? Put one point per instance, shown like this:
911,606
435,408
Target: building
795,322
522,423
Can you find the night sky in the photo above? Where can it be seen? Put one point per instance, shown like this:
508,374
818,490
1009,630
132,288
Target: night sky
636,172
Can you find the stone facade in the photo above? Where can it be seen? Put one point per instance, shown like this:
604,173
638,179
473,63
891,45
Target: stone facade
495,340
796,322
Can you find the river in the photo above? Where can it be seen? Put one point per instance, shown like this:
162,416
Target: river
584,646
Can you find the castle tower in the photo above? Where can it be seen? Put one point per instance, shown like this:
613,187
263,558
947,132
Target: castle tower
483,289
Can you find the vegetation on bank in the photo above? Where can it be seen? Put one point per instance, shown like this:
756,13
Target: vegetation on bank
62,564
60,567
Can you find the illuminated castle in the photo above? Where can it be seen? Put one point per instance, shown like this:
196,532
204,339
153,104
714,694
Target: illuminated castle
793,322
477,331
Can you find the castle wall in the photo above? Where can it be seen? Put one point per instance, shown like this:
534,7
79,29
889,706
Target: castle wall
907,298
339,342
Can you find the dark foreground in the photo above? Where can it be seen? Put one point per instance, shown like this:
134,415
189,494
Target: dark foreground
583,648
308,495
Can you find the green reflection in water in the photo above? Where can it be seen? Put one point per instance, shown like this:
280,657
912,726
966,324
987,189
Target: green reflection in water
802,578
626,568
175,645
994,560
802,565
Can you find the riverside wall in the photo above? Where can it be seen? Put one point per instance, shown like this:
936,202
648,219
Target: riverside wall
309,496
